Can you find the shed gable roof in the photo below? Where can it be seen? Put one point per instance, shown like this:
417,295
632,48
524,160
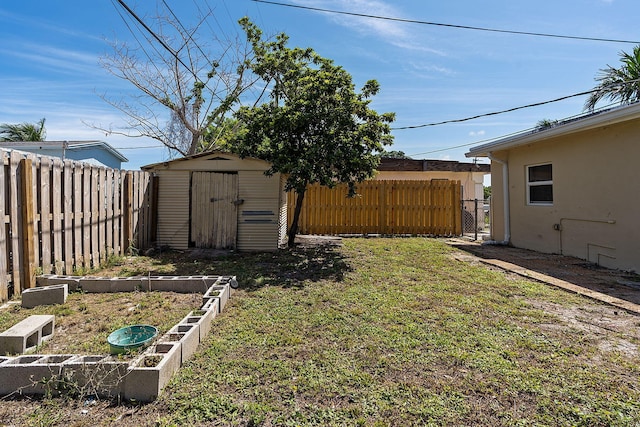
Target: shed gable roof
213,156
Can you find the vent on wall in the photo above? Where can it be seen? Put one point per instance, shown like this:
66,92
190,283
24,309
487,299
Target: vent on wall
218,158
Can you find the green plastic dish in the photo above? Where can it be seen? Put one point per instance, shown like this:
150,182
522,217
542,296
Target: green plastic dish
131,337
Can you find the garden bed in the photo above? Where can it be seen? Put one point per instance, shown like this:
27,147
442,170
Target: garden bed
85,320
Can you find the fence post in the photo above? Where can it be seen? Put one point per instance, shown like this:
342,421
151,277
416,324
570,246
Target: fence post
28,220
475,219
4,246
127,214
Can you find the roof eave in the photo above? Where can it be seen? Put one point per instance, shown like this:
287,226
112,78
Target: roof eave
617,115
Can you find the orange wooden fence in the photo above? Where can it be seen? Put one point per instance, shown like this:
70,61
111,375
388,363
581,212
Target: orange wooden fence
63,216
382,207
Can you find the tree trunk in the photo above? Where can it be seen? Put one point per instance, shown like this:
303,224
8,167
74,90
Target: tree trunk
293,230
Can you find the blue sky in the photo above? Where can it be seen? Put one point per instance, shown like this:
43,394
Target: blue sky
50,68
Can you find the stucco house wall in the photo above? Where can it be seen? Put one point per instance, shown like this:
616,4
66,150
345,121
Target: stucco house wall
470,175
595,210
472,182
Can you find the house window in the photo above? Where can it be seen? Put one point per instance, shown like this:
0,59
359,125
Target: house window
540,185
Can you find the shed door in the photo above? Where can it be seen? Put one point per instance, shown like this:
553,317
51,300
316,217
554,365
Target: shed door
214,212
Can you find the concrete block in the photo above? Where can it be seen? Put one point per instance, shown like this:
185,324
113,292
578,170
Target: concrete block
181,284
151,372
45,295
211,304
34,374
54,279
203,318
99,375
108,284
220,292
189,340
27,334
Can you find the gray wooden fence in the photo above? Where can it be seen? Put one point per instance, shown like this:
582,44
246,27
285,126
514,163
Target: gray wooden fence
58,217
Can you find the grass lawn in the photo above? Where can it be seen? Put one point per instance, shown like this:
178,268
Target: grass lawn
379,332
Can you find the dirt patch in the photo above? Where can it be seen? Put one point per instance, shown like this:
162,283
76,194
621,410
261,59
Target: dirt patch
614,329
85,320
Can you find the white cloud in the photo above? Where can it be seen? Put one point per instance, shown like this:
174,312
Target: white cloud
477,133
53,58
32,23
394,33
426,69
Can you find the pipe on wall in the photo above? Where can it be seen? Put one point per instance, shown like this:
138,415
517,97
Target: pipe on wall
589,245
505,191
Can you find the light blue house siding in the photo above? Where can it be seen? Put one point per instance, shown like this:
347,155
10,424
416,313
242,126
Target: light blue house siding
94,152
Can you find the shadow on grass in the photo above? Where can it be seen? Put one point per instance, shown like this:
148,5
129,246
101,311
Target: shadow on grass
289,267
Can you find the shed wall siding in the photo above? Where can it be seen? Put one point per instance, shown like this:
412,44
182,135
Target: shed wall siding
258,216
173,209
262,200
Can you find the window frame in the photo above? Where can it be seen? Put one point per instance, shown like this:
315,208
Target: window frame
531,184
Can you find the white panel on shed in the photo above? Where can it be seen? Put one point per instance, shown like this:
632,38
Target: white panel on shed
259,213
173,209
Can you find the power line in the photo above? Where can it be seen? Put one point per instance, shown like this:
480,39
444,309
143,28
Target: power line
494,113
157,38
508,110
562,121
464,27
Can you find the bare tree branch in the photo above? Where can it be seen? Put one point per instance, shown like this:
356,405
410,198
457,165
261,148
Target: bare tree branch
186,79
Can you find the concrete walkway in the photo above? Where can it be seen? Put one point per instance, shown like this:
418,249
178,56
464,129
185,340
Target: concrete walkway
618,288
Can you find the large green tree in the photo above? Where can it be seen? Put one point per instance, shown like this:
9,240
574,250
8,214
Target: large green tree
22,132
618,84
315,128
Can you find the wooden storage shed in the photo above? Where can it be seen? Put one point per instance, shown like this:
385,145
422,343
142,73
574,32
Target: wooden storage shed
218,200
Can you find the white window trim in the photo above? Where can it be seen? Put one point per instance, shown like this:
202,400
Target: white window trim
536,184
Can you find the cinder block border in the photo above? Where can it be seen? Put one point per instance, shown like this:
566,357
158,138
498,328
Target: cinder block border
141,379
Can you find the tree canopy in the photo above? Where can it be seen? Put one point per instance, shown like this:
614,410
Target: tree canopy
315,128
618,84
394,154
23,132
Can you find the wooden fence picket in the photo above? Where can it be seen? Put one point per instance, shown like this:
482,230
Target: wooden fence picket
381,207
59,216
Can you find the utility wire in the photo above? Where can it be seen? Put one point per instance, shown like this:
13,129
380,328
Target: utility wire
508,110
464,27
187,33
133,33
494,113
157,38
520,132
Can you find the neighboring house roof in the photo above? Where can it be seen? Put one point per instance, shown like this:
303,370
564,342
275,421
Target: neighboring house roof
411,165
67,145
567,127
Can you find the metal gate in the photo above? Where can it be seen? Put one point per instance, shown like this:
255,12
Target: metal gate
476,216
